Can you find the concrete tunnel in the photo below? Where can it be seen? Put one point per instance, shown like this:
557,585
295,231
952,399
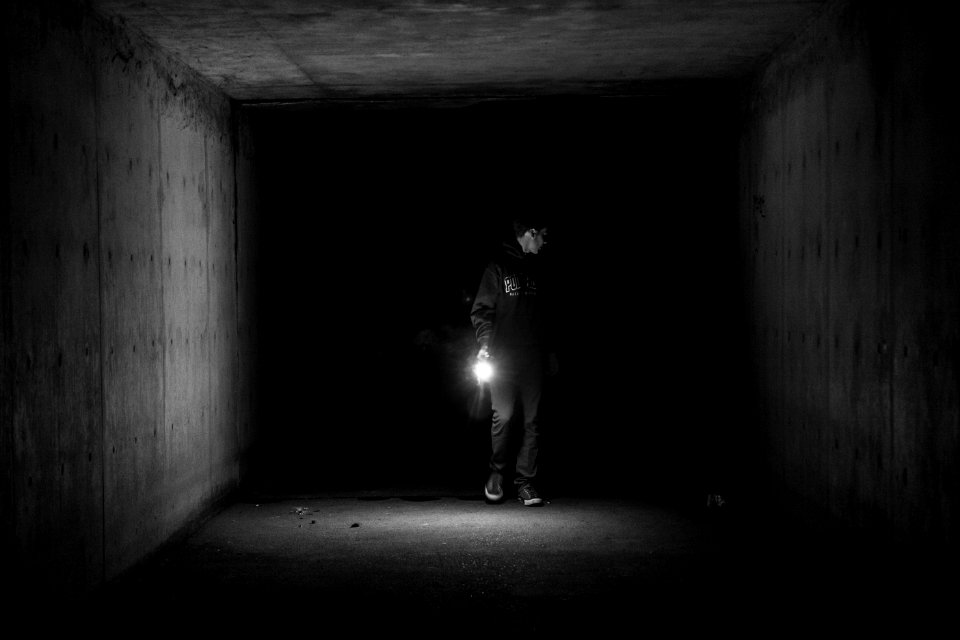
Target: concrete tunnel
240,241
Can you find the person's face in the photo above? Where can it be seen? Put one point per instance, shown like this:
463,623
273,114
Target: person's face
533,240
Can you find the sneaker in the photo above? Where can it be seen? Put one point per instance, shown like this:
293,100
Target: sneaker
493,490
529,496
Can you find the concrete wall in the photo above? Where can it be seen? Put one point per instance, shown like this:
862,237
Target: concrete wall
122,359
850,227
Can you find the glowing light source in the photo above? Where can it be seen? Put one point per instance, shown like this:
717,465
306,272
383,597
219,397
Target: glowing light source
483,370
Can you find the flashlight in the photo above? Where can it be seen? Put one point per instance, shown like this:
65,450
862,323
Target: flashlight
483,368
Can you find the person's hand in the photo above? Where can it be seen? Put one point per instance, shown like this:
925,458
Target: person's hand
484,353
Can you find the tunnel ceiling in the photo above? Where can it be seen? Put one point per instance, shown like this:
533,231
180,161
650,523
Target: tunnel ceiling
290,50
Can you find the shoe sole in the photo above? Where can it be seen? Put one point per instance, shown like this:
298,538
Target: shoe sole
533,502
492,497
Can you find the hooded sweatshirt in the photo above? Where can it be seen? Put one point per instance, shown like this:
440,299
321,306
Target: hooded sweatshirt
508,311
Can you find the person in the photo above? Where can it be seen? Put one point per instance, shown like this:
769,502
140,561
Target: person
509,317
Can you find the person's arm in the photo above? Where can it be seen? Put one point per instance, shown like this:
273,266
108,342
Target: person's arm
484,309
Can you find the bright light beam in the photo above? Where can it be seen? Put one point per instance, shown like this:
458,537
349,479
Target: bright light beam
483,370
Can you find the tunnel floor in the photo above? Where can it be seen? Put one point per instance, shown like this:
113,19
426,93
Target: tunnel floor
440,562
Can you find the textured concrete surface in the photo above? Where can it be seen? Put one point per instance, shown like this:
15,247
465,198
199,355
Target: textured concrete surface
119,412
431,562
851,240
277,50
51,401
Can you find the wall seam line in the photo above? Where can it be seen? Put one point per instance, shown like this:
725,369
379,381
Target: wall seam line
209,422
235,120
163,300
103,410
781,297
894,345
829,234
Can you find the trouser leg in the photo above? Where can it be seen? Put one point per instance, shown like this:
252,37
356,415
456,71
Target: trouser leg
530,386
503,396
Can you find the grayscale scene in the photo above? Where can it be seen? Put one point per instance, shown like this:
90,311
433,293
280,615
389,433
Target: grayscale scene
479,317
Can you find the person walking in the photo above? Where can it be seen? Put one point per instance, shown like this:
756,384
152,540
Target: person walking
509,315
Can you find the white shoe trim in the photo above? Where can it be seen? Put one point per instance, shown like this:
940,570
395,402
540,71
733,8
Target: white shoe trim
492,496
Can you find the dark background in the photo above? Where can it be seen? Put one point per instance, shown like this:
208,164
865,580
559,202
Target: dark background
378,224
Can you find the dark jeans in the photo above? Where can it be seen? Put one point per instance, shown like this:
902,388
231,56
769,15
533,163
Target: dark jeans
519,377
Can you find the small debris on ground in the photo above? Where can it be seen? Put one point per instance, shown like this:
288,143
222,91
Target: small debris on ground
355,524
